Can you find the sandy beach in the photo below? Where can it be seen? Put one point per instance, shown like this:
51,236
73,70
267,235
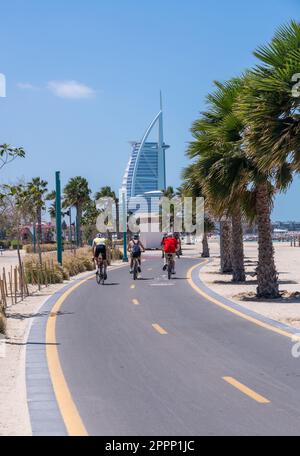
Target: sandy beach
285,309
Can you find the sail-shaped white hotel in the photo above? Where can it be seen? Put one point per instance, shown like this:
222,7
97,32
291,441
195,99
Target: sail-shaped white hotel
145,174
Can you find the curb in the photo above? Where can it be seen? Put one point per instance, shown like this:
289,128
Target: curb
239,308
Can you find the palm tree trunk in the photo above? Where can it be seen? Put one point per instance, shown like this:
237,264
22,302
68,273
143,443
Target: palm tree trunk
237,248
267,277
34,237
78,225
205,248
225,246
39,233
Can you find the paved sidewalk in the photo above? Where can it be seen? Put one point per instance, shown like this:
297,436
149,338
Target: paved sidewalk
9,258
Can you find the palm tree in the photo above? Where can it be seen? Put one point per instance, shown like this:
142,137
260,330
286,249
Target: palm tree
89,220
209,227
228,170
168,216
107,192
77,194
270,103
226,242
52,209
192,187
217,132
269,106
20,208
9,154
35,193
168,192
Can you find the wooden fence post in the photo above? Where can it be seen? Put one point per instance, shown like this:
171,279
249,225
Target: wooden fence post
16,284
5,281
2,294
11,287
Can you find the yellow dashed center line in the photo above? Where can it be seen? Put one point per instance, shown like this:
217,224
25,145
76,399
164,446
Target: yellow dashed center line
244,389
135,302
159,329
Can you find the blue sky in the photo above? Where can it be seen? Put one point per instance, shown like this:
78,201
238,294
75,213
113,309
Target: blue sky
119,54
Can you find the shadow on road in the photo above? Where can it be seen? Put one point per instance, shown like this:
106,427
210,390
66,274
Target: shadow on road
251,282
9,342
145,278
179,278
21,316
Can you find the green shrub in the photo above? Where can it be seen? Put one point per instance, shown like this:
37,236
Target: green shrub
14,245
5,244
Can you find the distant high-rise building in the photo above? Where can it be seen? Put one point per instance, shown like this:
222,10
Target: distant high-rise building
145,174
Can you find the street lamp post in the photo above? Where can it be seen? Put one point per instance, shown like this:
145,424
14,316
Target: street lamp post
125,257
58,218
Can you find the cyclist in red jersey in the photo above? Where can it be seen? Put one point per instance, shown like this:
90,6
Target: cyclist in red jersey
170,246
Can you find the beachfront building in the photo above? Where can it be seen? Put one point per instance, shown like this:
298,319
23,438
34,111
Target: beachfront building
145,174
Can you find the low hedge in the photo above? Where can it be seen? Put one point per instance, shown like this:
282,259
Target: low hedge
6,244
46,247
14,245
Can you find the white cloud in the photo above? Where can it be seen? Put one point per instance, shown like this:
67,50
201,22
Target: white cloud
26,86
70,89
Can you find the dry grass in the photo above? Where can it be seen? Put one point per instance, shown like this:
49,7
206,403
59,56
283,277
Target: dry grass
29,248
73,263
2,322
52,272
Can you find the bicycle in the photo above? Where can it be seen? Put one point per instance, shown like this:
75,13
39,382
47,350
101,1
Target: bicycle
101,274
170,264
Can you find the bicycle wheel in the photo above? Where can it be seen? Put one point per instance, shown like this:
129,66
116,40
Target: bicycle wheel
98,277
104,275
135,270
170,267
